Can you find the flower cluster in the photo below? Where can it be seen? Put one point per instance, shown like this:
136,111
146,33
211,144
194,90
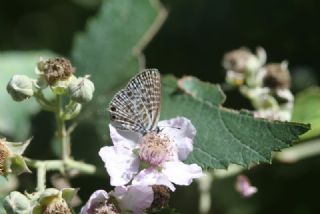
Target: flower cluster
58,75
49,201
144,168
56,89
266,85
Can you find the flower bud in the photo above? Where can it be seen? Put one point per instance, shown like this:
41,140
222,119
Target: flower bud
237,60
61,86
57,205
81,89
53,201
242,65
71,111
161,197
17,203
11,160
276,75
55,69
20,87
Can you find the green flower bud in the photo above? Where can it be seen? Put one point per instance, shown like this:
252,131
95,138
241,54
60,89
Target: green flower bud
20,87
242,66
60,87
81,89
53,201
17,203
72,110
11,160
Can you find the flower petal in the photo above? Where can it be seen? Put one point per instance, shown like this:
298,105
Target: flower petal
121,164
124,138
181,130
96,198
244,187
180,173
149,177
135,198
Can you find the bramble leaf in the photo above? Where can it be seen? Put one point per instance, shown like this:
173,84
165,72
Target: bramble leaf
225,136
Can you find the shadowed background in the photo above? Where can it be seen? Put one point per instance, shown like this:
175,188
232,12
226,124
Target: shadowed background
192,41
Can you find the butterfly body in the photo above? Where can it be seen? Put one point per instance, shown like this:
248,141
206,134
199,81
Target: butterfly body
137,106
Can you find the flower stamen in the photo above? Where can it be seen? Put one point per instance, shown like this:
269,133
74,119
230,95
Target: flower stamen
156,148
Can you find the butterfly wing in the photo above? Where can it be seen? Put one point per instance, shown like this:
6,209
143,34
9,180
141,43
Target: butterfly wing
137,107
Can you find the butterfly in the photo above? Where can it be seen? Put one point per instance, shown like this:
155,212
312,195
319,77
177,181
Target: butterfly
137,106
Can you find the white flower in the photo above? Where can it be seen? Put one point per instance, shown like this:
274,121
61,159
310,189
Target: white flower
152,159
134,198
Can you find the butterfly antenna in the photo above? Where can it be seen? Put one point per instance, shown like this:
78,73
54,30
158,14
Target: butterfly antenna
173,127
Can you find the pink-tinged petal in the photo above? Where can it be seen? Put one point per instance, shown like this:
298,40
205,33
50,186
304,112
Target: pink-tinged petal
124,138
182,132
95,199
121,164
149,177
244,187
180,173
135,198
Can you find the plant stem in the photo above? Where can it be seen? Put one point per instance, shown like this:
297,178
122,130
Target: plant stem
61,132
50,165
41,176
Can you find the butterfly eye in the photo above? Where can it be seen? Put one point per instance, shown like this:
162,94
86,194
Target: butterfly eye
113,108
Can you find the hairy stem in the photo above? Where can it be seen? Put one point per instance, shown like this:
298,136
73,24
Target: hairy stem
61,130
41,176
51,165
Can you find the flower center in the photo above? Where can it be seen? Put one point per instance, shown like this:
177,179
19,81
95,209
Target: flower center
155,148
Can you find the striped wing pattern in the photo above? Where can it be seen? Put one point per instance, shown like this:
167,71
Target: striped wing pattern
137,106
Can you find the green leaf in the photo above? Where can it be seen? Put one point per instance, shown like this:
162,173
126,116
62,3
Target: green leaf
15,116
110,50
226,136
307,110
203,91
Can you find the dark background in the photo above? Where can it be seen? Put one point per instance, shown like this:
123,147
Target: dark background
192,41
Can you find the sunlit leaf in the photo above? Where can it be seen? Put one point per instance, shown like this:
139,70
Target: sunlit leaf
225,136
